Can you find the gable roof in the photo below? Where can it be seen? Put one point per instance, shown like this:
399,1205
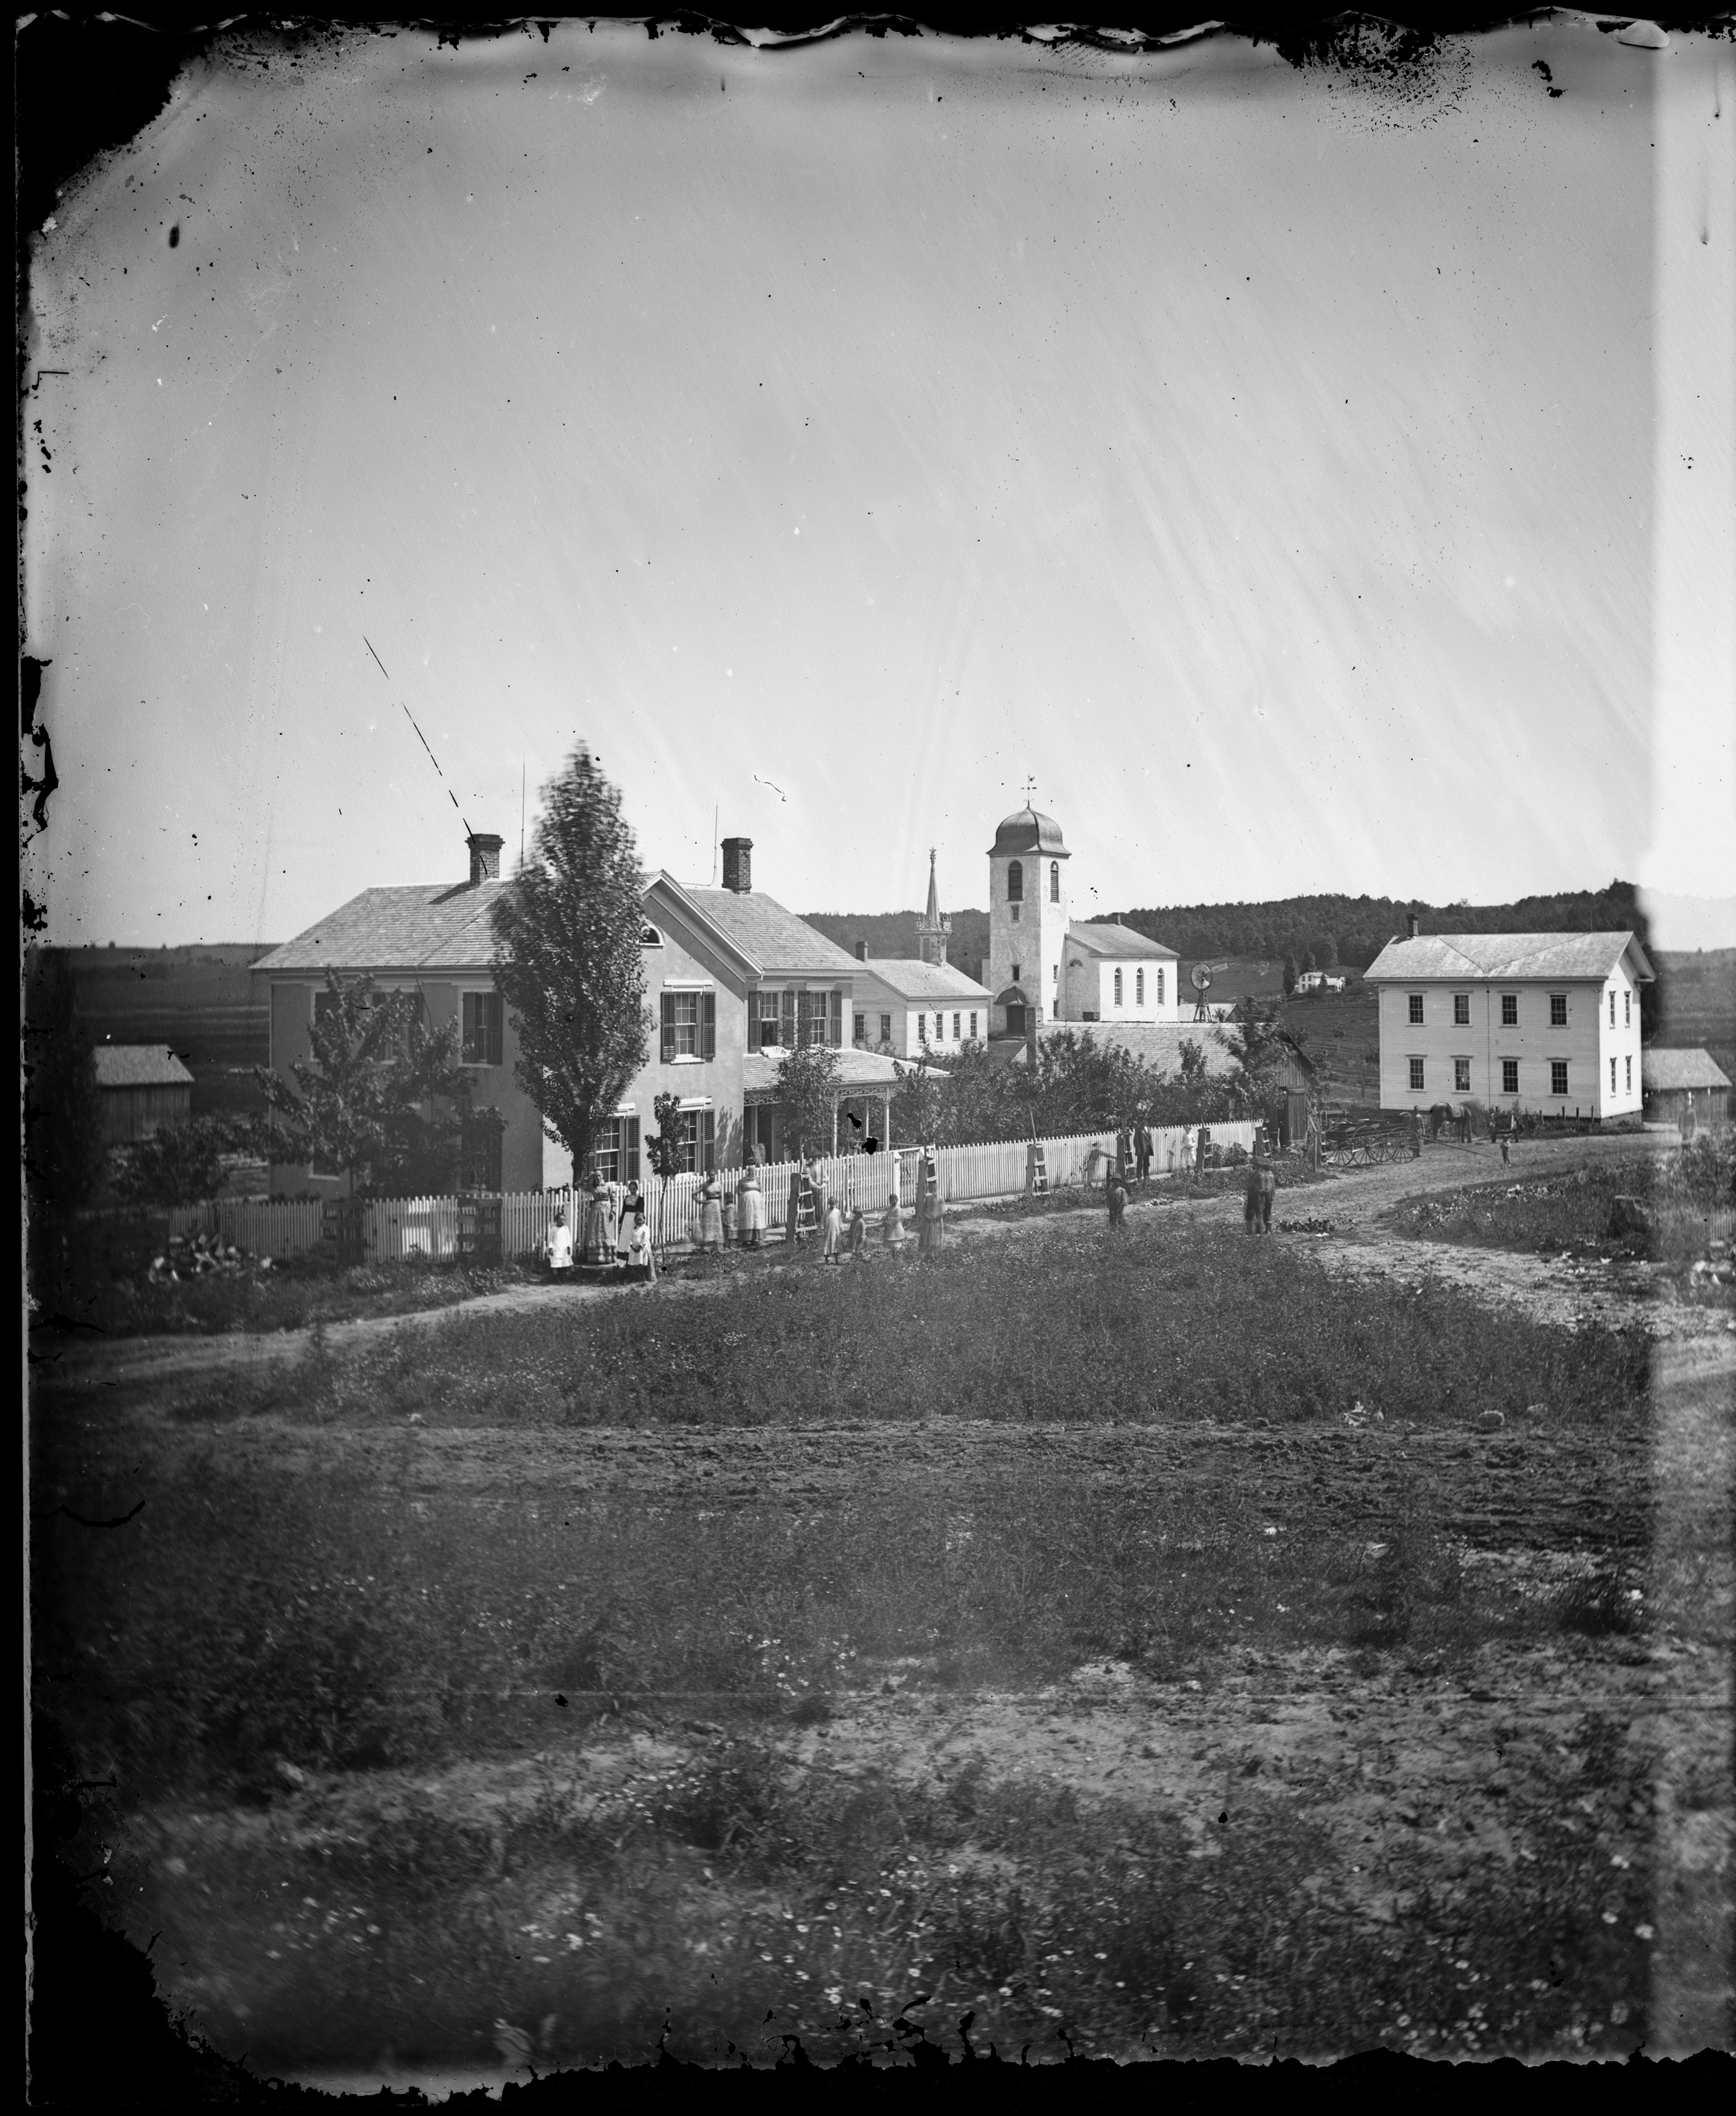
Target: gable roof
857,1069
1676,1068
139,1065
1508,955
910,979
434,925
1101,938
775,939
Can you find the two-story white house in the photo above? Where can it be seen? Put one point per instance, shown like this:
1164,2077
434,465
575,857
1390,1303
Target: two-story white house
1531,1021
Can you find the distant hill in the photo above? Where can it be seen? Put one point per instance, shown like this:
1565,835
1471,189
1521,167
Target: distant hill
1699,1001
893,934
1354,929
198,1000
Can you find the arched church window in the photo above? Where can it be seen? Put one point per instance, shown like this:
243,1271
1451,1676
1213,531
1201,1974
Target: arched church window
1014,881
1054,881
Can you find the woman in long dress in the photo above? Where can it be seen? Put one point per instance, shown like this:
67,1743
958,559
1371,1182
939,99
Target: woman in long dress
892,1222
750,1207
598,1247
931,1215
710,1215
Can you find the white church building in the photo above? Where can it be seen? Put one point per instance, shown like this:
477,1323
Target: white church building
1044,967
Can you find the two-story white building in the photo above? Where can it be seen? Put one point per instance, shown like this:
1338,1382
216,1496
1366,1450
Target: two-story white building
1531,1021
916,1009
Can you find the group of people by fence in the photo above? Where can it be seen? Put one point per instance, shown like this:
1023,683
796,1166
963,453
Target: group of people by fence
615,1231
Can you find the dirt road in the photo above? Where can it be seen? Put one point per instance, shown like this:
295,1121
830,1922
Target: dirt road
1350,1199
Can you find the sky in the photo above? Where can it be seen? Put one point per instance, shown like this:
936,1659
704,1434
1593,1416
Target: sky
1262,464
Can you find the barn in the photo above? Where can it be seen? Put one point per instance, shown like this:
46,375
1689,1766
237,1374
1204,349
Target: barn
143,1085
1687,1088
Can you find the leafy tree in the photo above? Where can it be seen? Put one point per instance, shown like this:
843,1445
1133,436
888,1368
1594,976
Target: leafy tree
63,1150
382,1100
184,1164
807,1091
567,958
1289,975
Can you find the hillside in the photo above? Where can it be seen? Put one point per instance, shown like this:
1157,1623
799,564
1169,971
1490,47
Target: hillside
1353,930
198,1000
893,934
1699,1001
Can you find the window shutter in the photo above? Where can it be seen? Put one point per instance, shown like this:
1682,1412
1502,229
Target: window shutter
630,1148
667,1054
708,1024
708,1141
835,1026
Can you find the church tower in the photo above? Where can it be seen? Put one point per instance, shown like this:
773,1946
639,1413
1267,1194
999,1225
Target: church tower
932,931
1027,923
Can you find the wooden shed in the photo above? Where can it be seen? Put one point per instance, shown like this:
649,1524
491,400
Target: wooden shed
1687,1088
144,1086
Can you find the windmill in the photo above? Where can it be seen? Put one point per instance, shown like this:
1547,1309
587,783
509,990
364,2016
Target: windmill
1201,982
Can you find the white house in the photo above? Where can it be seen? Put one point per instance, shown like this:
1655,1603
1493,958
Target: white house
1533,1021
916,1009
923,1006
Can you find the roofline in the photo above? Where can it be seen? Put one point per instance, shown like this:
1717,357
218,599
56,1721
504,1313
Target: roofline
1645,973
702,920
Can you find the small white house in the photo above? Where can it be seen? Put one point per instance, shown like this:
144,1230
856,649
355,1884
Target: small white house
1532,1021
1313,981
912,1008
1112,973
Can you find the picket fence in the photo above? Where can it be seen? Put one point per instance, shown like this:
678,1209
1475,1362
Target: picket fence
396,1229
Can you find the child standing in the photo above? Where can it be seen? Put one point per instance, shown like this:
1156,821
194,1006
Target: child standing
834,1230
892,1223
858,1233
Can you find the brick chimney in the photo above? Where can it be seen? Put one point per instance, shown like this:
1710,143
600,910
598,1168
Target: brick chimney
738,866
485,857
1409,926
862,951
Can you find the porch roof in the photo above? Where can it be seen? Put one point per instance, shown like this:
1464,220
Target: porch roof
860,1073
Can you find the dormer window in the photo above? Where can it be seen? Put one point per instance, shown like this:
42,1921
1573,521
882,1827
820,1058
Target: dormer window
1014,881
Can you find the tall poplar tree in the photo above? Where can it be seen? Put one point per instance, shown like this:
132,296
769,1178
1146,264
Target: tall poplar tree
567,959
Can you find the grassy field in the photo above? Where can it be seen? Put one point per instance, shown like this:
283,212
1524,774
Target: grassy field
1688,1197
525,1681
295,1293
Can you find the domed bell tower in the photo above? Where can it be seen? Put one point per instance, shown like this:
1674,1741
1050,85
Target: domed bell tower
1027,923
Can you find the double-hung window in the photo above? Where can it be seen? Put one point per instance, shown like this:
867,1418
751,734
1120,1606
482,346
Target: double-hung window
1139,988
483,1028
1630,1076
1627,1010
1118,987
1160,987
956,1018
1612,1061
973,1029
689,1027
696,1143
859,1030
1416,1078
1558,1076
1509,1076
1509,1009
886,1028
1415,998
615,1156
1462,1009
1462,1076
1558,1010
1612,1014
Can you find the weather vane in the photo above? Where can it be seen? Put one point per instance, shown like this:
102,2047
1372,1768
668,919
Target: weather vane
1030,790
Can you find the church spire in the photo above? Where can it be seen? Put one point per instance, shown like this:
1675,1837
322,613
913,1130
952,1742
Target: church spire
932,931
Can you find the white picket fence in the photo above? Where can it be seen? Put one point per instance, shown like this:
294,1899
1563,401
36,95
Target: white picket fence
395,1229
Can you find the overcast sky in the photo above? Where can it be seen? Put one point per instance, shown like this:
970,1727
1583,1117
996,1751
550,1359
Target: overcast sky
1260,461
